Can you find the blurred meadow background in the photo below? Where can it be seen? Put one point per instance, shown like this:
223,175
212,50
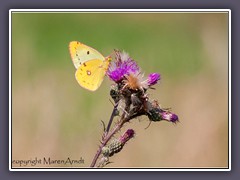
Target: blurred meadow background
52,116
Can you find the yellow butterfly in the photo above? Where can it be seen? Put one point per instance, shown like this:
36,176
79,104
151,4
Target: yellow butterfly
90,64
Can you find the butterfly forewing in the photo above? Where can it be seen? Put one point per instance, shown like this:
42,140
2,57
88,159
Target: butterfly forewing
81,53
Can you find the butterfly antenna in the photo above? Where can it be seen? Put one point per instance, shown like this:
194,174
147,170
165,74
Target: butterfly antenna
111,55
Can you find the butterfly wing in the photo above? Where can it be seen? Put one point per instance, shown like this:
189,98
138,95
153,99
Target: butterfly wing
91,73
81,53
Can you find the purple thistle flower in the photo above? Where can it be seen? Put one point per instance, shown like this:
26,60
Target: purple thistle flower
169,117
126,136
123,66
153,78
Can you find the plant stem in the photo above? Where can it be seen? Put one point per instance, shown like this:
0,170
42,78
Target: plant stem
111,117
107,136
105,141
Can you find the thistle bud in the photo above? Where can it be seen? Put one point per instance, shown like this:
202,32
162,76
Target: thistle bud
155,113
168,116
116,145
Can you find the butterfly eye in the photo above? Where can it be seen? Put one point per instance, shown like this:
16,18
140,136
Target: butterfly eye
88,52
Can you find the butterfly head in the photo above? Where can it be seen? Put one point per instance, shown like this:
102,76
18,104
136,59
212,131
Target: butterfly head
109,59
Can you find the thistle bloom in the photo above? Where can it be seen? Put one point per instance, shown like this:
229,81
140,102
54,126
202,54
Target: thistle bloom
126,136
169,116
124,65
153,78
156,113
126,69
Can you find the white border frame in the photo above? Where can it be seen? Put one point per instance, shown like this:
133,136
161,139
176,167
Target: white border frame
120,11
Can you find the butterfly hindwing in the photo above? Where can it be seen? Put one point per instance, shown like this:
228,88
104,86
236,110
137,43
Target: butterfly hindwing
91,74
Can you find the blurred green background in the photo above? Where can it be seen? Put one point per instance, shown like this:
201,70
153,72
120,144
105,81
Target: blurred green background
52,116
